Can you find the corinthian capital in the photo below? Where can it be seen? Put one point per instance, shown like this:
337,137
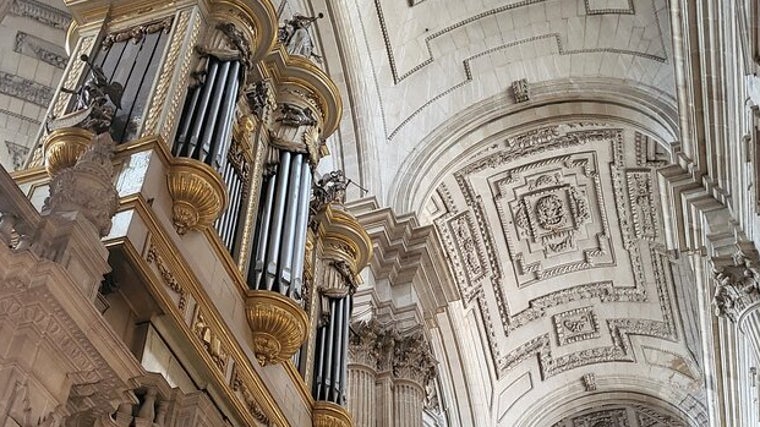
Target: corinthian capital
413,359
736,281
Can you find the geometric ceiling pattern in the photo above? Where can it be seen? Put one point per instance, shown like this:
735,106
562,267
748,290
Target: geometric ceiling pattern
621,416
555,236
429,59
544,193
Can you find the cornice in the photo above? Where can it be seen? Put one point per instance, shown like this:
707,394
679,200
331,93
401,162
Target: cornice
406,252
302,72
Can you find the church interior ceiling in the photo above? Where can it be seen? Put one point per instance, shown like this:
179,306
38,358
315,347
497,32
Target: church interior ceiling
529,133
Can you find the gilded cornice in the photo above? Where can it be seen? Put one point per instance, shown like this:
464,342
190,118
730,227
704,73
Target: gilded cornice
343,238
287,70
258,19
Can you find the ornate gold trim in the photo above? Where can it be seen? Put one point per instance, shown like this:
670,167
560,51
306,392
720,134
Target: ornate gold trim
343,238
278,325
328,414
302,73
198,194
63,147
198,298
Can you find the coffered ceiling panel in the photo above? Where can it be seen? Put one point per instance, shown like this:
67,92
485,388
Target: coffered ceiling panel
554,236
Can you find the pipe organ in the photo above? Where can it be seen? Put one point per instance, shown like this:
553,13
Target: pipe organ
201,97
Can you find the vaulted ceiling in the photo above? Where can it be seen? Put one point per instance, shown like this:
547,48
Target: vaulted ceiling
545,196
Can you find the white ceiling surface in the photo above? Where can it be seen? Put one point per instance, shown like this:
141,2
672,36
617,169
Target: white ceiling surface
548,210
422,65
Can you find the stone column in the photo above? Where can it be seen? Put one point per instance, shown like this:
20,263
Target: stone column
413,368
363,352
737,291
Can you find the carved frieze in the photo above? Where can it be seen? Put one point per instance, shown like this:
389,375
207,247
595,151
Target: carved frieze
25,89
42,13
18,153
211,341
168,277
43,50
606,418
463,241
239,386
643,209
634,415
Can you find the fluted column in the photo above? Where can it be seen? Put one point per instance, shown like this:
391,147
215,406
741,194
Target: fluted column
737,291
363,352
413,368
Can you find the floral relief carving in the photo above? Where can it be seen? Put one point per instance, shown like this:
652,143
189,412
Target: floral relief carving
168,277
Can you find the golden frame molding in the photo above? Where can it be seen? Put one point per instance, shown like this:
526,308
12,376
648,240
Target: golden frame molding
62,148
279,326
328,414
198,194
245,390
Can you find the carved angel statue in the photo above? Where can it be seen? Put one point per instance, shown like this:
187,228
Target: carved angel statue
98,97
331,187
295,35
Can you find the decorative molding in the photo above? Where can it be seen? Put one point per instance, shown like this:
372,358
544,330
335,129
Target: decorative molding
576,325
239,386
152,257
137,33
542,198
35,47
18,153
561,49
25,89
589,381
405,252
42,13
214,346
521,90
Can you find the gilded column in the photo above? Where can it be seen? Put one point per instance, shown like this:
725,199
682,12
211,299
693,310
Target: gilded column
737,291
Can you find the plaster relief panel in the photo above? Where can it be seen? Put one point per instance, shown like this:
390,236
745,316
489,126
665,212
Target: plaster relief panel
466,244
609,418
576,325
552,216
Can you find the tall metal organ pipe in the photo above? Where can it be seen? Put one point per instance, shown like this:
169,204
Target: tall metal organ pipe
280,240
205,134
332,352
